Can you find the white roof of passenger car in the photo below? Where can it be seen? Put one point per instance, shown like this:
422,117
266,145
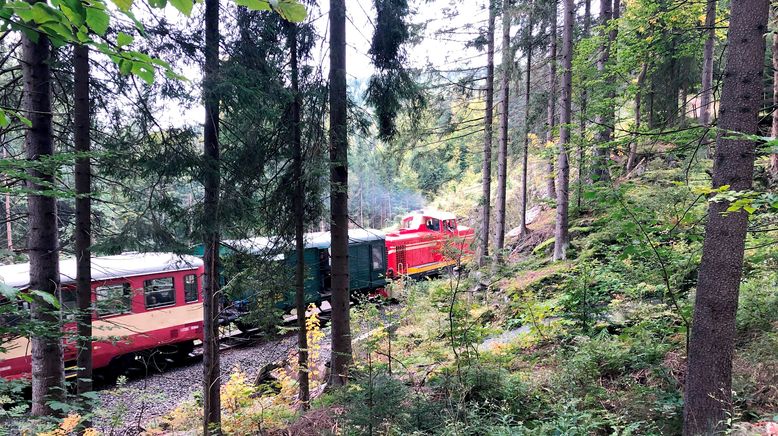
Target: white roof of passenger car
106,267
324,239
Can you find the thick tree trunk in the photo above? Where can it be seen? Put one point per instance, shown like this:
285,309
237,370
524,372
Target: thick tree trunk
83,231
299,223
706,91
502,151
486,172
773,166
341,329
708,397
211,220
43,246
633,146
587,24
561,237
600,171
525,154
552,96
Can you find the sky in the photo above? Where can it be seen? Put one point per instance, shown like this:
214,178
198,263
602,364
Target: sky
436,50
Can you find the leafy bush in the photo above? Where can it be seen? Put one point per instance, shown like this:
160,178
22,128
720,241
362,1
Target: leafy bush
758,305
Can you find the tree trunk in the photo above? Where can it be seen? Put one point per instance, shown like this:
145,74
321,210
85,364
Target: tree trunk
43,246
341,329
525,154
502,151
706,91
561,237
211,220
708,396
299,223
773,166
552,96
633,146
587,23
486,172
600,171
83,231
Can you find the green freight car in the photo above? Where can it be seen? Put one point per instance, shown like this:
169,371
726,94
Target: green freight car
367,269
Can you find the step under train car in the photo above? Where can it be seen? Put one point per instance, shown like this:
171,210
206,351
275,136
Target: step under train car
143,304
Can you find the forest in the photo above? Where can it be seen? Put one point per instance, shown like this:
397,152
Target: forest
389,217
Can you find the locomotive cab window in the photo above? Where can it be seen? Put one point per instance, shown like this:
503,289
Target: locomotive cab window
159,292
433,224
190,288
377,257
113,299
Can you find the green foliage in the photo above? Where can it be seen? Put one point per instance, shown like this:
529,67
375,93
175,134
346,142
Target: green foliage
758,304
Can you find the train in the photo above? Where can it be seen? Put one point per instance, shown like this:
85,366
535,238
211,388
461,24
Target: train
150,304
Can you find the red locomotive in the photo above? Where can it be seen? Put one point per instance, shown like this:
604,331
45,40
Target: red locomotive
144,303
426,243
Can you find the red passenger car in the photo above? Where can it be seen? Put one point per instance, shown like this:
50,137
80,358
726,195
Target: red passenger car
143,303
427,242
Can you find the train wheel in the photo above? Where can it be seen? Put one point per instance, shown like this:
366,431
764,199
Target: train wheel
118,367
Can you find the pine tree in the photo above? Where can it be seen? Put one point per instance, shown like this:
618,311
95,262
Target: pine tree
43,244
708,396
561,237
83,231
525,154
299,219
600,159
552,97
486,172
502,151
211,220
341,329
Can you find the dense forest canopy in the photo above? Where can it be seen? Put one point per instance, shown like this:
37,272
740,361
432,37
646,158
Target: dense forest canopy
389,217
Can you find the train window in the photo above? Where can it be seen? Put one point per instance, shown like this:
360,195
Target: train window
113,299
377,257
433,224
159,292
190,288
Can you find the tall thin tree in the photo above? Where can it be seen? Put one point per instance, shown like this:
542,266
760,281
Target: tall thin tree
486,172
561,237
600,152
708,396
552,97
773,165
341,329
299,219
210,222
502,150
83,231
587,25
42,242
525,153
706,91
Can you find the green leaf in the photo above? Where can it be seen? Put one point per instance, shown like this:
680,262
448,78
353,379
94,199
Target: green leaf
125,66
26,121
185,6
74,11
254,5
144,72
124,5
43,13
97,20
4,120
291,10
8,292
124,39
47,297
